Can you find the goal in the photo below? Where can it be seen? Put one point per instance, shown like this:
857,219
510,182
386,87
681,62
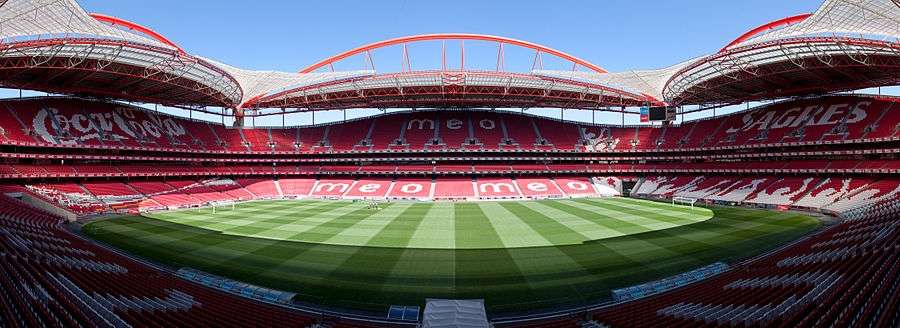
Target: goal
373,205
683,201
225,204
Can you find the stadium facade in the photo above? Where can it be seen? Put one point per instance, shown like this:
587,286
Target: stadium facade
86,153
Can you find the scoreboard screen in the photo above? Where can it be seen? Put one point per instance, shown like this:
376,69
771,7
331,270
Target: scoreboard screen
657,114
661,114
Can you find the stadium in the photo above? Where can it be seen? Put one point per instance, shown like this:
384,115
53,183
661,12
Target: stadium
456,204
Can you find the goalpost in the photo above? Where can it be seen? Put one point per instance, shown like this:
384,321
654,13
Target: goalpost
373,205
224,203
683,200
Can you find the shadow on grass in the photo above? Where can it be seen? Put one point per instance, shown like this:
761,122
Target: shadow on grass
510,280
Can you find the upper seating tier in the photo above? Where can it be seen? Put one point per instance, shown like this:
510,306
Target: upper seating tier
73,122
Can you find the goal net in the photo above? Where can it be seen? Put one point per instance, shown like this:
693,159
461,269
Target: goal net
683,201
373,205
223,205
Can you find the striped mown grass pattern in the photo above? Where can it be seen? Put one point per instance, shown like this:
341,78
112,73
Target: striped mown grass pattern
517,255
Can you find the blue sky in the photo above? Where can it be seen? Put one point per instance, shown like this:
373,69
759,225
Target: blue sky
289,35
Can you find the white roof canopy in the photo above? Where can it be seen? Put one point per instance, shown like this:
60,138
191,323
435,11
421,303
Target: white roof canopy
868,19
51,19
30,20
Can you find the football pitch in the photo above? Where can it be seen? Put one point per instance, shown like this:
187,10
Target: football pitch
517,255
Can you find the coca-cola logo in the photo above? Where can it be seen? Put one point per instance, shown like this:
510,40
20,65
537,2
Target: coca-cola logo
55,126
795,117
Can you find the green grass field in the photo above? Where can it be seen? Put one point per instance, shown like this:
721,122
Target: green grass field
517,255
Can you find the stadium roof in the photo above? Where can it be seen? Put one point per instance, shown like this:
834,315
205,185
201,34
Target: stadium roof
463,87
844,45
55,46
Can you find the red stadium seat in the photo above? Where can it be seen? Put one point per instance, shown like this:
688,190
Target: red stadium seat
411,188
454,188
296,187
573,186
493,188
538,187
375,188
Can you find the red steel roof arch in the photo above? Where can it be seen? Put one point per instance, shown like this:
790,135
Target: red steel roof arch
137,27
452,36
765,27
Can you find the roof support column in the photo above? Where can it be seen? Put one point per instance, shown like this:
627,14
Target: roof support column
238,117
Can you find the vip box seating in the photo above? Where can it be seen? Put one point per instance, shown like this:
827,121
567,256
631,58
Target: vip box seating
492,168
8,171
384,169
28,170
54,171
453,169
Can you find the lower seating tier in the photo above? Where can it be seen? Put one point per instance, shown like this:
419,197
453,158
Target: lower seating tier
845,275
159,194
